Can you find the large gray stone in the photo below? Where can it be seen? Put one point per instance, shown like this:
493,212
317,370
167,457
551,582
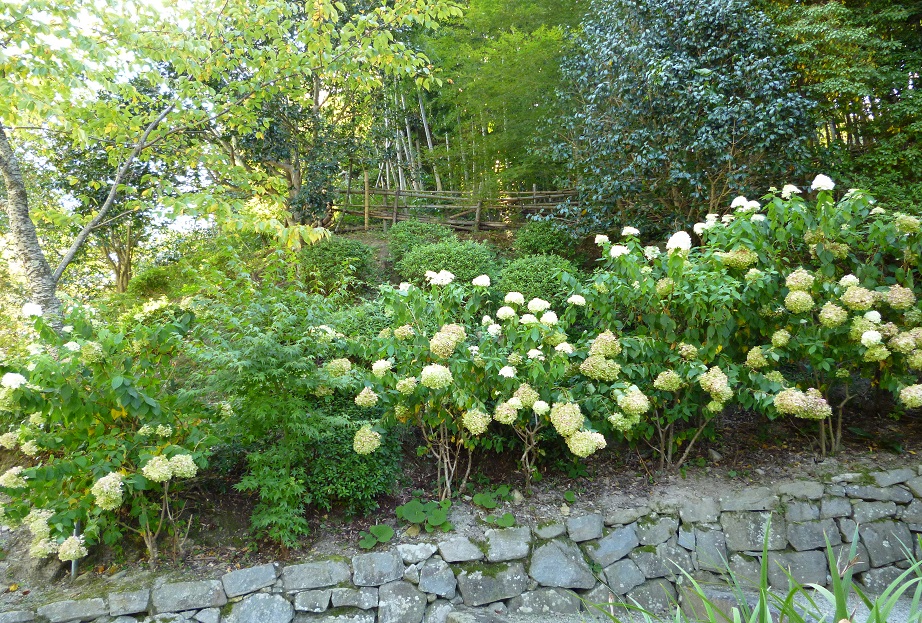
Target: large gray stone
710,549
482,584
624,516
508,544
376,568
73,610
703,510
876,581
181,596
654,596
804,567
129,602
686,537
585,527
261,608
315,575
17,616
803,489
900,495
860,562
249,580
614,546
317,600
208,615
801,511
847,528
550,530
624,576
545,601
436,577
752,499
437,611
915,485
400,602
813,534
560,564
893,477
866,512
459,549
746,569
365,598
746,531
347,615
912,513
414,553
832,507
655,531
668,560
885,541
867,492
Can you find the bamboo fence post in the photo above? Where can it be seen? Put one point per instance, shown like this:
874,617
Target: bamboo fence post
396,203
477,215
367,200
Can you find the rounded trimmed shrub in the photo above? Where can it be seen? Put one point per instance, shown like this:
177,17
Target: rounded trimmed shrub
543,238
408,235
328,263
537,276
465,260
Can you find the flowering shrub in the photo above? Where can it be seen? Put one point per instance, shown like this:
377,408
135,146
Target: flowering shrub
105,443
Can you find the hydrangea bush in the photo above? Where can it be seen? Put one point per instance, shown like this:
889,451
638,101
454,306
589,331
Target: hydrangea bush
104,442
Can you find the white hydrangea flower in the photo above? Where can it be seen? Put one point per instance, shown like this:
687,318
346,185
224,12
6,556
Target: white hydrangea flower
727,218
68,328
30,310
601,239
164,430
380,367
108,491
758,218
72,549
870,338
618,250
505,313
873,316
404,286
514,298
507,372
849,280
366,398
878,210
157,469
494,329
540,407
534,353
739,201
822,182
183,466
564,348
72,347
529,319
10,439
789,189
679,242
12,380
483,281
435,376
486,321
30,448
577,300
651,252
366,440
538,305
700,228
630,231
549,318
441,278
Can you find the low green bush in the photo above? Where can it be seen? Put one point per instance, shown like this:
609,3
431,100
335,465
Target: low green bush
407,235
543,238
537,276
465,260
336,263
364,320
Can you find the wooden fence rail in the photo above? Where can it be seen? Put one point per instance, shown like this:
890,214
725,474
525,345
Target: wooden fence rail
459,210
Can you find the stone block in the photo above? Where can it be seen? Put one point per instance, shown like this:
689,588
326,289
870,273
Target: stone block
653,531
261,608
315,575
656,596
893,477
418,552
614,546
346,615
801,489
550,530
687,537
624,516
505,544
250,580
867,492
317,600
545,601
481,584
876,581
560,564
400,602
703,510
865,512
912,513
813,534
747,569
666,560
17,616
208,615
585,527
885,541
915,485
804,567
181,596
801,511
710,549
624,576
860,562
129,602
745,531
832,507
847,529
900,495
364,598
436,577
411,574
751,499
437,611
377,568
459,549
73,610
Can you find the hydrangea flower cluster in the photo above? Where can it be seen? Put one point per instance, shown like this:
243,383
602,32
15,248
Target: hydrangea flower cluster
537,305
739,259
900,298
800,279
798,302
634,402
599,368
540,407
687,351
366,398
857,298
606,344
435,376
381,367
183,466
30,448
505,313
338,367
404,332
482,281
528,319
911,396
507,372
366,440
514,298
832,316
526,395
906,224
668,381
716,383
566,417
446,340
37,523
664,287
407,385
583,443
441,278
617,250
10,439
577,299
506,412
12,478
12,380
780,338
108,491
157,469
755,358
679,242
475,421
622,422
91,352
72,548
808,405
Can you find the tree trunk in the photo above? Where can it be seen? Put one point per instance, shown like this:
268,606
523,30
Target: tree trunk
42,283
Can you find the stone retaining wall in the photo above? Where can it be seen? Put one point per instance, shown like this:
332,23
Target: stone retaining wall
632,554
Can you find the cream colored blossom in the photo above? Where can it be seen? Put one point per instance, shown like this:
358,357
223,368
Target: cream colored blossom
381,367
366,440
634,402
798,302
566,417
157,469
475,421
435,376
780,338
183,466
366,398
605,344
108,491
668,381
407,385
577,300
12,479
72,549
514,298
583,443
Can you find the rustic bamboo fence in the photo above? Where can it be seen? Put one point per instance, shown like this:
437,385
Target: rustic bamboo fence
460,210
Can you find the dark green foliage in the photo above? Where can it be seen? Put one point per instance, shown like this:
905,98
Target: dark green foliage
465,260
675,107
407,235
335,476
364,320
543,238
537,276
336,263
